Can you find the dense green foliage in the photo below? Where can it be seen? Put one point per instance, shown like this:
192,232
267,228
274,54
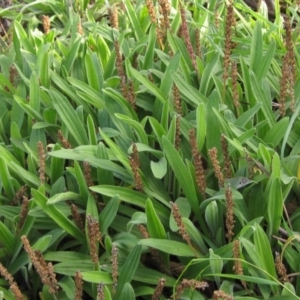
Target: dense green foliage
70,125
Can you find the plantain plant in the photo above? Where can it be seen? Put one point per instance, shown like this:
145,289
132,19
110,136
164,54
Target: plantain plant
149,150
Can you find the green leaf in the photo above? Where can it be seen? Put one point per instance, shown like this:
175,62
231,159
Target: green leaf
247,115
69,117
97,277
257,280
201,125
6,180
138,128
57,216
125,194
182,174
153,89
264,66
149,54
108,213
128,292
72,55
154,225
170,247
131,13
93,67
277,132
256,51
56,166
275,207
83,188
43,63
61,197
7,239
128,269
159,169
93,97
264,251
216,264
91,130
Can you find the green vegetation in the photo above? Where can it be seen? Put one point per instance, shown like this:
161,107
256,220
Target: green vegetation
149,150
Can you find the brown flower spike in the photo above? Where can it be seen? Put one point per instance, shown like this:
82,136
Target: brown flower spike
228,40
159,288
79,286
227,162
134,161
23,214
94,237
186,36
200,176
229,214
114,263
77,217
238,268
46,24
45,271
280,267
42,162
221,295
63,140
178,219
189,283
213,154
12,284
